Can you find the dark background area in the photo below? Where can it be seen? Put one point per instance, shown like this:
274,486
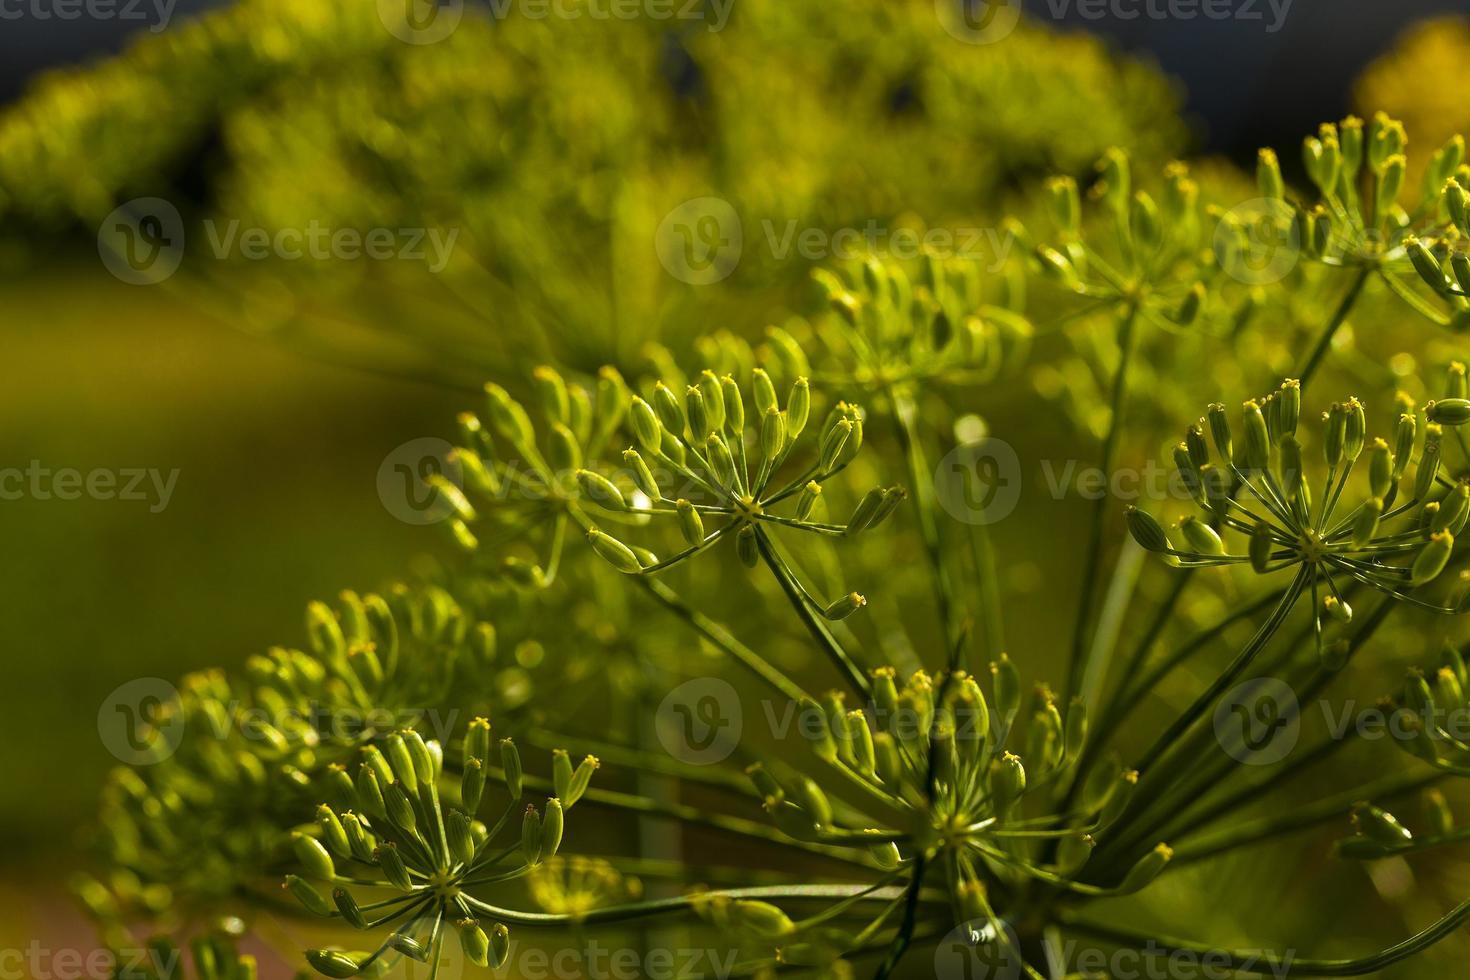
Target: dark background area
1247,87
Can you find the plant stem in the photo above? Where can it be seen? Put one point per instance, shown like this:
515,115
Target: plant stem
1100,507
921,477
1324,339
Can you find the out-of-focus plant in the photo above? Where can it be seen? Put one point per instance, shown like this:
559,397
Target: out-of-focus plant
555,149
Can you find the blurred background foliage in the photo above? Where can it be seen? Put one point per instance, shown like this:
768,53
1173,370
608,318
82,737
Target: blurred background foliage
555,148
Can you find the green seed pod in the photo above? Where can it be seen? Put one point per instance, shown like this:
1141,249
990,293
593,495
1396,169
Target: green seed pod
1119,795
1440,817
642,475
1148,868
359,839
1379,825
1057,267
563,451
1449,411
390,862
339,788
1457,204
612,400
1365,525
844,607
1350,140
474,942
333,832
1257,438
773,435
1268,175
370,792
509,418
1426,264
313,857
403,943
690,524
1006,688
765,392
1116,182
865,511
760,918
347,905
746,546
1289,407
1220,430
807,501
1007,781
614,552
1390,182
510,761
561,772
1065,205
552,829
646,428
892,498
798,408
333,963
765,784
700,423
472,784
1194,445
1447,689
305,893
670,412
399,758
734,406
833,444
531,836
1452,510
1432,558
1260,547
1146,531
1357,430
887,762
722,464
600,490
581,779
1073,852
1201,537
477,739
886,855
1337,609
499,945
1323,158
1428,470
400,809
1403,445
1189,474
551,389
1291,465
1380,468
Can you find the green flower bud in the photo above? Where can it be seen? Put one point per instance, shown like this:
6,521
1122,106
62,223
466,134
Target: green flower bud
773,435
1065,204
1357,430
510,761
713,397
390,862
1220,430
310,899
746,546
689,522
833,444
1440,817
798,408
865,511
1380,468
1057,267
761,918
1149,867
332,831
1432,558
1337,609
892,498
1424,476
1261,546
807,501
551,389
552,829
1426,264
1323,158
645,425
313,857
642,475
1257,438
1201,537
1007,781
359,840
670,412
1452,510
1350,139
1390,182
600,490
370,791
1365,525
1457,204
845,607
614,552
1146,531
722,464
612,401
472,784
400,809
499,945
734,406
700,423
474,942
531,836
1006,688
765,392
347,905
509,418
333,963
1073,852
1403,445
1268,175
564,452
1449,411
1379,825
